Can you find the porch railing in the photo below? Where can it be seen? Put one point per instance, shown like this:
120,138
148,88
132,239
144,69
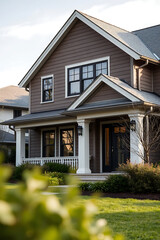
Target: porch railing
72,161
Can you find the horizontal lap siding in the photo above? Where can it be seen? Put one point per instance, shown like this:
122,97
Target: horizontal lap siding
80,44
104,92
35,143
146,78
156,77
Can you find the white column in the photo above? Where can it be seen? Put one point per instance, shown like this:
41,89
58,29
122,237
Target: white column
136,140
83,148
20,145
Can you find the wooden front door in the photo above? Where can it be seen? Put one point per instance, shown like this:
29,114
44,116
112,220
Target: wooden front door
115,150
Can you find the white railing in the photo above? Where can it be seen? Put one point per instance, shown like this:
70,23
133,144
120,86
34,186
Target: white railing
72,161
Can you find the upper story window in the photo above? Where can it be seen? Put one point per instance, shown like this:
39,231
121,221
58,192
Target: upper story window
47,88
17,113
80,76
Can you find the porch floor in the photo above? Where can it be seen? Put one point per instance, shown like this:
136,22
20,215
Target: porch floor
94,177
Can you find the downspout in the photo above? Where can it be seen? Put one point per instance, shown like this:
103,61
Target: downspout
138,75
13,129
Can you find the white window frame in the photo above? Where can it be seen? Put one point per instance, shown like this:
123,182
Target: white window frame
42,78
67,127
107,58
55,142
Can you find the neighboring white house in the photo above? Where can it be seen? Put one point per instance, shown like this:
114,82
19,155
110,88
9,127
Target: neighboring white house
14,102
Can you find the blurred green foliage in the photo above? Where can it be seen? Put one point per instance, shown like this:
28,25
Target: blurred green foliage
25,213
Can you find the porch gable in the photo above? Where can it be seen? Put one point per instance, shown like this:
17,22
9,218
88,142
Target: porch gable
102,89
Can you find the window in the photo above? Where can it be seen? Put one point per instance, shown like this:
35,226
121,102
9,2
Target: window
80,77
17,113
67,142
47,88
49,143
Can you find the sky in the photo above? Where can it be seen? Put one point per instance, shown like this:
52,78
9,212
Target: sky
27,26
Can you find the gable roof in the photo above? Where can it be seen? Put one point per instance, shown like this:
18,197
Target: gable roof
132,94
151,37
13,96
128,42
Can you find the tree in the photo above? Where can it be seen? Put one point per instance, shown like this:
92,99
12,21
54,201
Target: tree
147,135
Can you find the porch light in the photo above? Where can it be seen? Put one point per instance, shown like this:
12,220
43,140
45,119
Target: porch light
80,130
133,125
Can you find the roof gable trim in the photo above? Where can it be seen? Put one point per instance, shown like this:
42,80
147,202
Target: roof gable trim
94,86
58,37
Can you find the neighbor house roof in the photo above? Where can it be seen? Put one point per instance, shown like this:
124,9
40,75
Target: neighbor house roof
13,96
127,41
7,137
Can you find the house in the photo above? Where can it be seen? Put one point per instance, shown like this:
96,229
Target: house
90,79
14,102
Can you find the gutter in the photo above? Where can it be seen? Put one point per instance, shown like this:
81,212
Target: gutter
138,75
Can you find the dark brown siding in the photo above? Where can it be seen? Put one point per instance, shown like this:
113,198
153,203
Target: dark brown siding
156,80
35,143
146,76
81,44
104,92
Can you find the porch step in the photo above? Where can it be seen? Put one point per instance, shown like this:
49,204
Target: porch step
94,177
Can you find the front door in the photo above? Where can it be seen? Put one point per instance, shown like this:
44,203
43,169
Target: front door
115,146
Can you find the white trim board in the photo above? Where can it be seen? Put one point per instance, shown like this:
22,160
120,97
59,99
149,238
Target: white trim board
60,35
93,87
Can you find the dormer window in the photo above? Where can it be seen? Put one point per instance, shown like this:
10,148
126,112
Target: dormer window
80,76
47,89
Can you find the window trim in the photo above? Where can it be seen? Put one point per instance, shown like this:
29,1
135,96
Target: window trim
74,141
55,142
107,58
42,78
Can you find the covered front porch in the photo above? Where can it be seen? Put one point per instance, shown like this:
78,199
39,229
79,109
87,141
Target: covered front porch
92,148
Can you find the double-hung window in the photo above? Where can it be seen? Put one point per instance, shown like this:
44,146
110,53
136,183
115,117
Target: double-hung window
67,142
79,77
47,88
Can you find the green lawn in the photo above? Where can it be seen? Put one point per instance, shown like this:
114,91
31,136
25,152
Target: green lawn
136,219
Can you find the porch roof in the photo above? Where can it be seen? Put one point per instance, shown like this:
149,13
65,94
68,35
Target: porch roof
36,117
131,94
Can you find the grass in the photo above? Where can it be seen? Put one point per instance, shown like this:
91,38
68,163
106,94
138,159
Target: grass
135,219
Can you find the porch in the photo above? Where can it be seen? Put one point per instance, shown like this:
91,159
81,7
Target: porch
88,151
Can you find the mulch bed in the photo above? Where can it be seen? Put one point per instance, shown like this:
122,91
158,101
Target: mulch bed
150,196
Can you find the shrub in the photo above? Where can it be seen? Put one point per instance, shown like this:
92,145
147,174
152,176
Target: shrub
27,214
56,178
116,184
142,178
18,171
55,167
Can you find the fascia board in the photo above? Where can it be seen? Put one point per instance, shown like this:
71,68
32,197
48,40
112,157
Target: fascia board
58,37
